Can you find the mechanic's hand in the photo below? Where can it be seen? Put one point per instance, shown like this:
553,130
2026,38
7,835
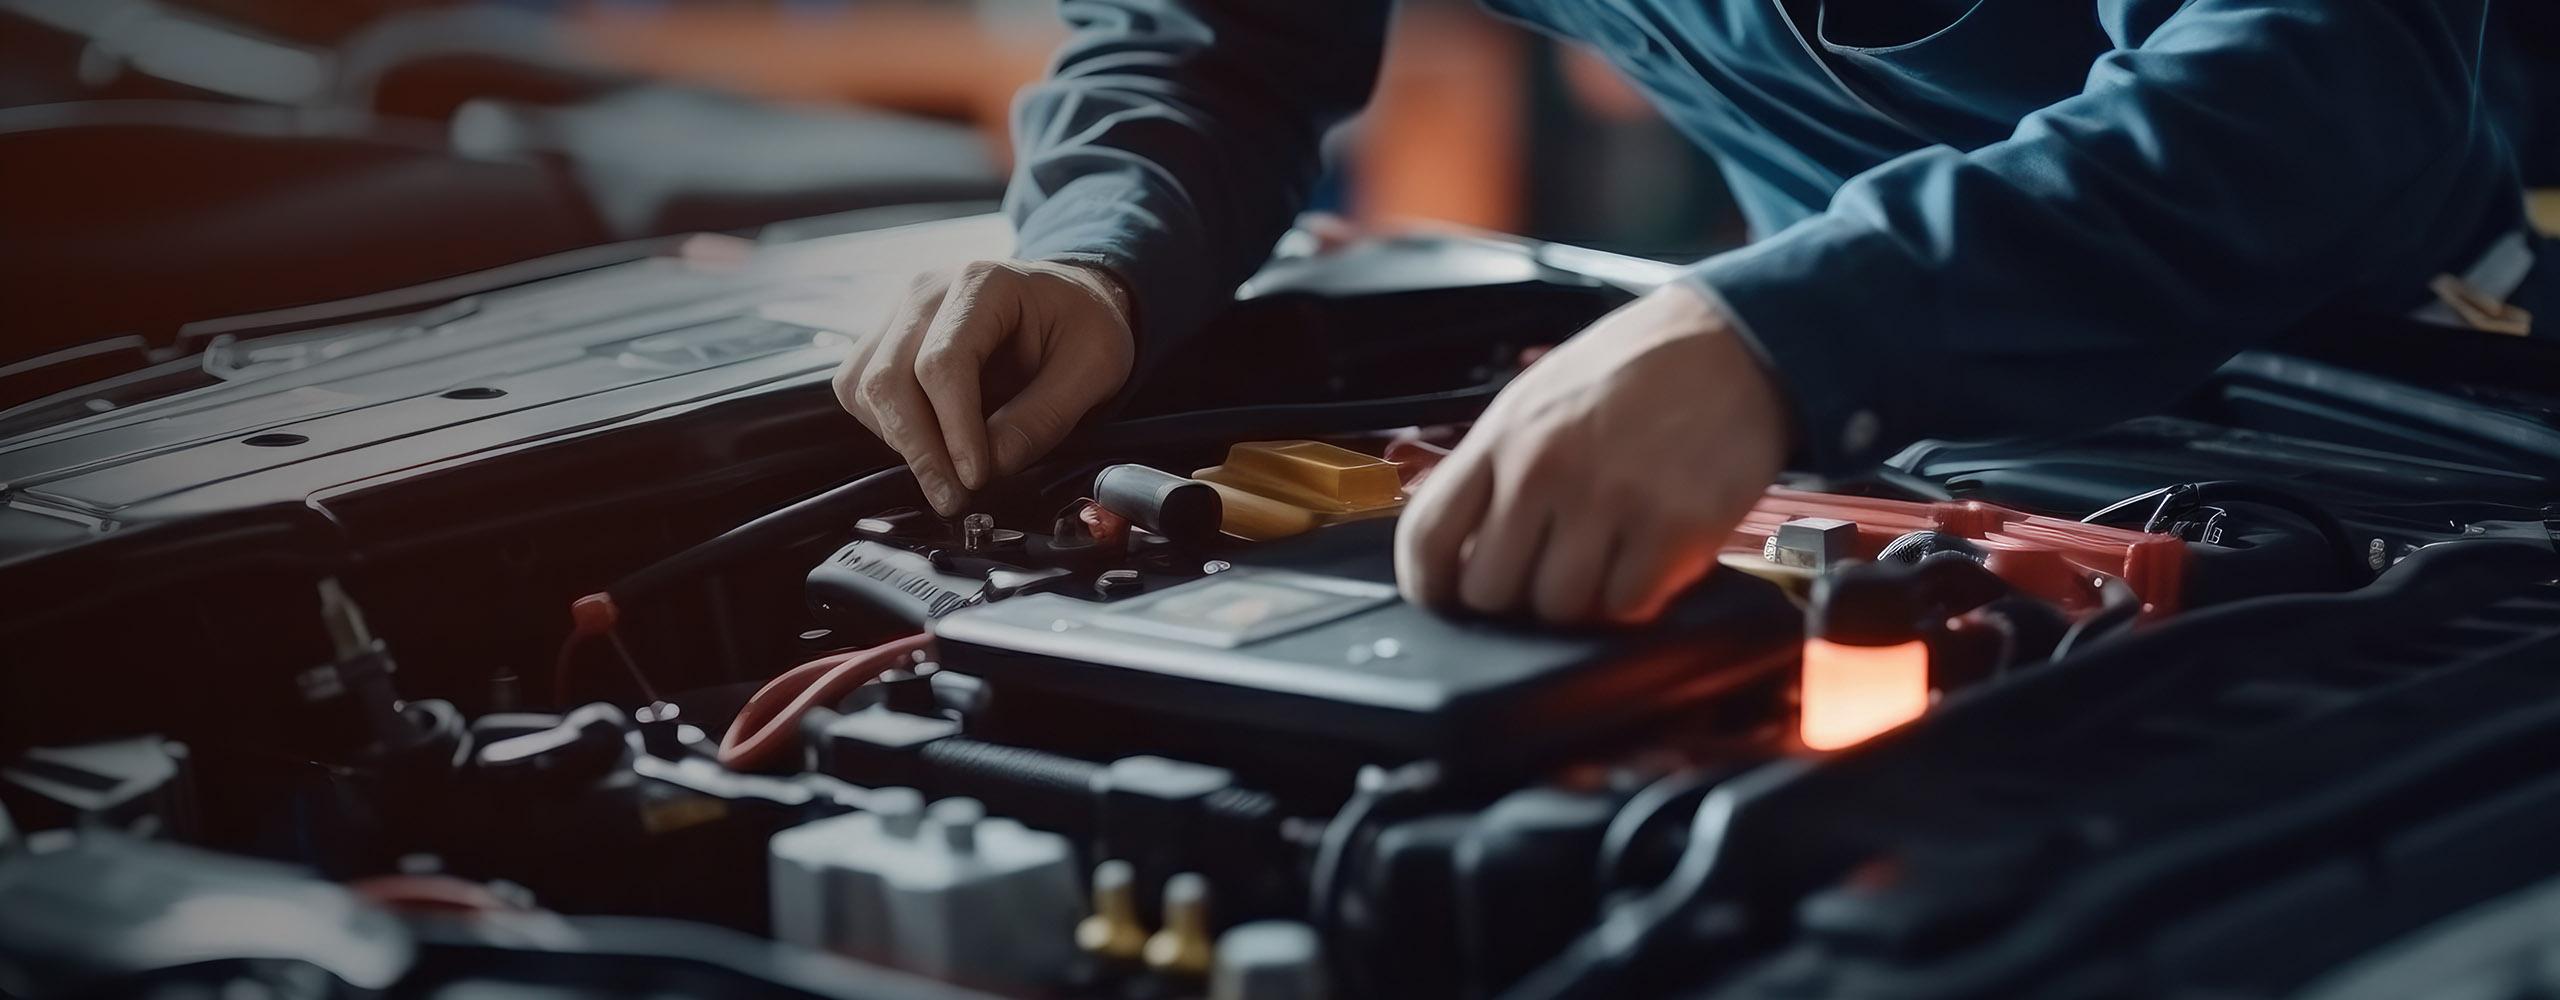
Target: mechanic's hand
1603,481
1047,341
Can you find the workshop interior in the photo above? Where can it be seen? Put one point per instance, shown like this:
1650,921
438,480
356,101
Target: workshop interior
434,564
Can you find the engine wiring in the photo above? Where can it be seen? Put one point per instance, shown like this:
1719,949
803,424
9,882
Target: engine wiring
2119,608
2169,501
767,729
1643,813
823,511
597,616
769,725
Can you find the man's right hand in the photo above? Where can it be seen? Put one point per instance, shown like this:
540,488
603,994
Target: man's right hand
985,367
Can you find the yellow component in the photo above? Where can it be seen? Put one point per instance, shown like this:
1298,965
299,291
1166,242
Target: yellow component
1795,581
1113,932
1275,489
1852,693
670,815
2544,207
1183,947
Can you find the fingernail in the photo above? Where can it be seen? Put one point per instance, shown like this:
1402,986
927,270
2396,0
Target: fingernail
968,467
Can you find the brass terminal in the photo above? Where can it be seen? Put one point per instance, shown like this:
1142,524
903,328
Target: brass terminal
1113,932
1183,947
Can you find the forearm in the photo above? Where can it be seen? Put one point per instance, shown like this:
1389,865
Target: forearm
1177,139
2251,162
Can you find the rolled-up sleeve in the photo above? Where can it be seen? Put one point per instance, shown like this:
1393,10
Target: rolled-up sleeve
2248,164
1175,140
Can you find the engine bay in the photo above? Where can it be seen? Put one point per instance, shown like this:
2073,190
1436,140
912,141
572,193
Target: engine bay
560,635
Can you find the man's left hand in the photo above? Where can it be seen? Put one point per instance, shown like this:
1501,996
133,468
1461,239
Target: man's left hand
1602,482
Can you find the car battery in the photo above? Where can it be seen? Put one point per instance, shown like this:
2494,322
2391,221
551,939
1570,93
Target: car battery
1307,638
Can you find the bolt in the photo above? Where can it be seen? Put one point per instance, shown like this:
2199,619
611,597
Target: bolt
977,532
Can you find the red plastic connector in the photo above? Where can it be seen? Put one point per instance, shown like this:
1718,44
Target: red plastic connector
2051,558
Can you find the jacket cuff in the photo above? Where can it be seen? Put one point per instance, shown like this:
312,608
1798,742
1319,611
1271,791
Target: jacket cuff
1109,227
1832,309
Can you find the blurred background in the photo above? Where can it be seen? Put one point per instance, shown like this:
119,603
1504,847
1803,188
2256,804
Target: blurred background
168,161
174,170
1477,121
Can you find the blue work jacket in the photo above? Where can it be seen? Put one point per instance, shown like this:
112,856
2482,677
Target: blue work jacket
1971,219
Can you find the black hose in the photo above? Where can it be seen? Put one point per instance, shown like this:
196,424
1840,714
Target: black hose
1333,849
1627,830
1375,792
1071,782
890,487
2118,608
1020,768
1290,419
1918,545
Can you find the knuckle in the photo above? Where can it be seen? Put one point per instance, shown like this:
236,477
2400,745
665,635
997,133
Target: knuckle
938,363
878,385
899,330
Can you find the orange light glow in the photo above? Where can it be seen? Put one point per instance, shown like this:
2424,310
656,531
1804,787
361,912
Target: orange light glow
1854,692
